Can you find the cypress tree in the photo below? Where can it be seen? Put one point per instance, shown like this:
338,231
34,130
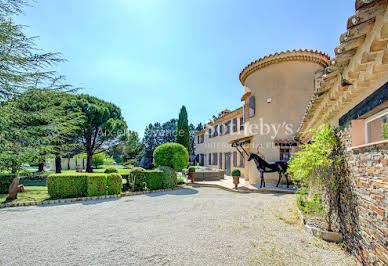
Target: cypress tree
182,130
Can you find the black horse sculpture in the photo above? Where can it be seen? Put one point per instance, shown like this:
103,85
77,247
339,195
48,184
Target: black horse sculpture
265,167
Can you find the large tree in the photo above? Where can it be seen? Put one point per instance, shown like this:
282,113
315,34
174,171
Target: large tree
157,134
22,65
182,130
130,149
33,126
103,125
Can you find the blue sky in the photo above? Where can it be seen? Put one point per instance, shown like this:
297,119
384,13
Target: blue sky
151,57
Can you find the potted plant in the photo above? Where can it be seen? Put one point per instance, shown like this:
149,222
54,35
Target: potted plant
191,171
236,177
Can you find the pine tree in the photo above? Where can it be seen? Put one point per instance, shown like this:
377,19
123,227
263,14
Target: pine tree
182,130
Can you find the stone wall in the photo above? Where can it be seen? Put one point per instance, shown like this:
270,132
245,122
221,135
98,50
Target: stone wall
363,210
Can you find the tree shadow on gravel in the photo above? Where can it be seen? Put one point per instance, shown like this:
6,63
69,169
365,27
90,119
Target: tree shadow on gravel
179,192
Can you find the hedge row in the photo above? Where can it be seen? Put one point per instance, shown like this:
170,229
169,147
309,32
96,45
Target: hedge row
83,185
5,182
140,179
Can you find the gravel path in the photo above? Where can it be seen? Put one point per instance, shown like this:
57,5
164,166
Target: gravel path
193,226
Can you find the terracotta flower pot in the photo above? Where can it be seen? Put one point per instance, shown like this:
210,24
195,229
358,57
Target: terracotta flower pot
192,175
236,181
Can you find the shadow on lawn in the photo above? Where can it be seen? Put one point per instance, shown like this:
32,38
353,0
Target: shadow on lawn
178,192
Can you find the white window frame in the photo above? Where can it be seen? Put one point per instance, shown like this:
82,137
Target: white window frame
370,119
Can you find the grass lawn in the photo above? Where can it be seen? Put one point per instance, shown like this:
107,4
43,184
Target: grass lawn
35,190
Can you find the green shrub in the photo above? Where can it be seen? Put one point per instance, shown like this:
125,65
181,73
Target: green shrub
173,155
136,179
318,168
154,179
76,185
5,182
96,185
67,186
170,179
111,170
114,184
191,169
236,172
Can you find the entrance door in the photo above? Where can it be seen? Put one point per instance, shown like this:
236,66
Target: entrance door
227,163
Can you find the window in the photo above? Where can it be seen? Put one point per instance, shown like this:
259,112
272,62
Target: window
241,123
227,127
202,138
234,124
198,139
210,159
210,133
242,161
215,158
215,134
221,128
235,159
251,106
202,160
376,127
284,154
220,158
197,158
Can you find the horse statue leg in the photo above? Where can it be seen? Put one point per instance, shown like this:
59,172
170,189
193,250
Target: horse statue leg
261,179
286,179
280,177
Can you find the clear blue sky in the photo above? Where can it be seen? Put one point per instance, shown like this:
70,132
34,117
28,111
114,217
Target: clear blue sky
150,57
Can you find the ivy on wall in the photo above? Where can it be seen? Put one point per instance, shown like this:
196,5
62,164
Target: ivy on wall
318,168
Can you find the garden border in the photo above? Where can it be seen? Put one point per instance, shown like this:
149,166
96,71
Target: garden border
69,200
322,234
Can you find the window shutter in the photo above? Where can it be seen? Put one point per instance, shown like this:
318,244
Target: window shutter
235,159
234,124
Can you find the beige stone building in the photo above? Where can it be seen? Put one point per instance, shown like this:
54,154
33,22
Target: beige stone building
277,89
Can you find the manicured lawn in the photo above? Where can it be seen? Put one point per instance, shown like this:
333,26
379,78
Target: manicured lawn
35,190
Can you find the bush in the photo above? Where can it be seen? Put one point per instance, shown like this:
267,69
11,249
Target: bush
111,170
114,184
173,155
236,172
170,179
154,179
191,169
76,185
5,182
136,179
67,186
96,185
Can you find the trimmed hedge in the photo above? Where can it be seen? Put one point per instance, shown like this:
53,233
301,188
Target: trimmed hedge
140,179
67,186
170,178
111,170
154,179
173,155
96,185
83,185
5,182
114,184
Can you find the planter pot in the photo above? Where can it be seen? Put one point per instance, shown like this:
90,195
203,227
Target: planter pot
236,181
192,175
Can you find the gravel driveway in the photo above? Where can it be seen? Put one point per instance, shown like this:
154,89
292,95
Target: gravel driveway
191,226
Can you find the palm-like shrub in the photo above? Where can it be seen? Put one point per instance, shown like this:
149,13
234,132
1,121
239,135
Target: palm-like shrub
173,155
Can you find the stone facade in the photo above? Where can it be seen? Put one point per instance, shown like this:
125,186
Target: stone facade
363,211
